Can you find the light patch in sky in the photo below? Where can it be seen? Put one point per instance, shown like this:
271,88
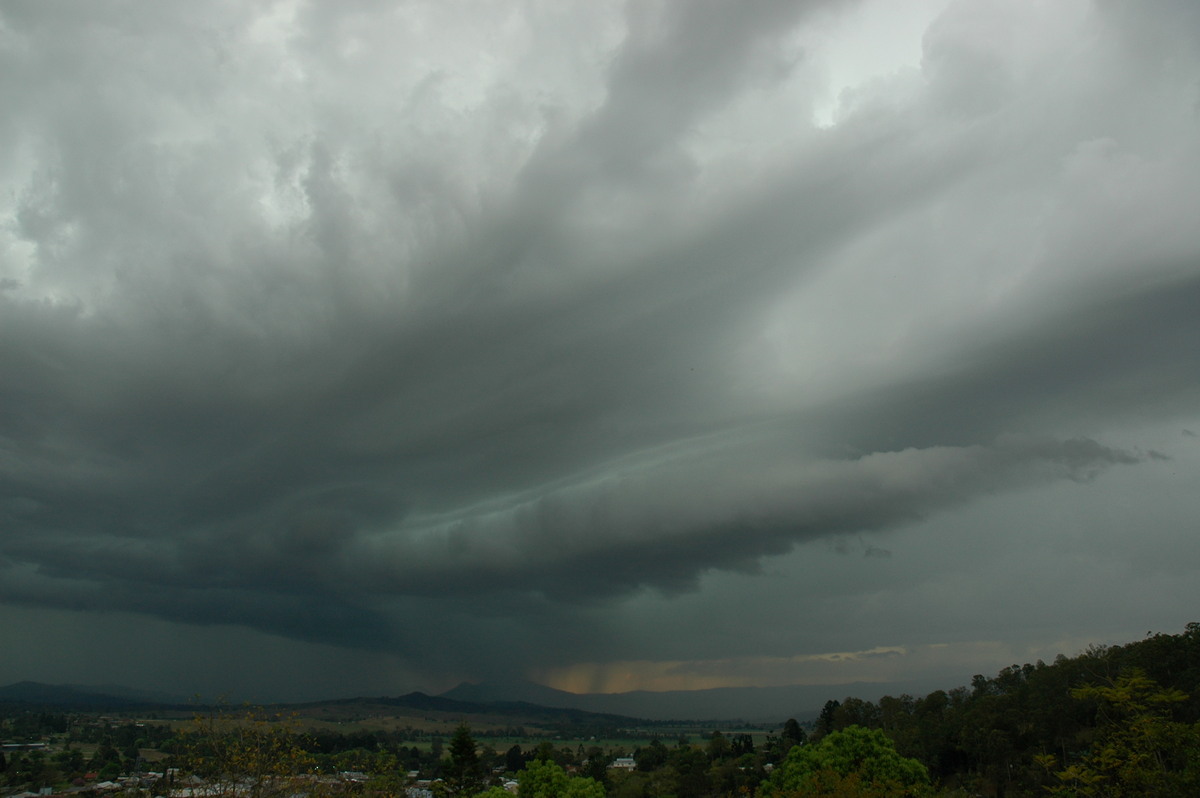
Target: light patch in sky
875,40
876,665
617,677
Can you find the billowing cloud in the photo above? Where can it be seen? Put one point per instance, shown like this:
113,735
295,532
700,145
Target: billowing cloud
371,325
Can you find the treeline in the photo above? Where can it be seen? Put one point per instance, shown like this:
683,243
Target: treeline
115,747
1113,720
1018,732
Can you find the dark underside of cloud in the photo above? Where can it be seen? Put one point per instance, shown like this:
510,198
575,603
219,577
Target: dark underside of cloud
286,528
391,400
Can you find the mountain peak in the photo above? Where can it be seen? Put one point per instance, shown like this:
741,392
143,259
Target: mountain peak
29,692
510,690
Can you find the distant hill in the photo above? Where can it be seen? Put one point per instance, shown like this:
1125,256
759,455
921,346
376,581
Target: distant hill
498,712
36,694
140,695
756,704
514,702
529,692
451,709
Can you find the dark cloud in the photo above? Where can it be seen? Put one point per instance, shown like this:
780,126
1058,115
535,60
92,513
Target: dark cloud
1128,353
490,350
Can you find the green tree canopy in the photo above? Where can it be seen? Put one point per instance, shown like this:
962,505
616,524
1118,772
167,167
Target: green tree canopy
865,757
545,779
1140,750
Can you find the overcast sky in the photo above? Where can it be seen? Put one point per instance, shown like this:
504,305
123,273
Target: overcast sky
361,347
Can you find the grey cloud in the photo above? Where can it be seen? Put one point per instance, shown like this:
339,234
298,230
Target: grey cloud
678,61
661,528
1134,352
263,367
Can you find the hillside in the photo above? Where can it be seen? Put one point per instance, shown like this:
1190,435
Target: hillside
754,704
444,708
36,694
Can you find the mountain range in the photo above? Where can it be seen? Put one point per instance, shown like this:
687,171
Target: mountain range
768,704
515,699
62,695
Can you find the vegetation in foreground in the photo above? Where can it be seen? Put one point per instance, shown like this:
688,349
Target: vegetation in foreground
1112,721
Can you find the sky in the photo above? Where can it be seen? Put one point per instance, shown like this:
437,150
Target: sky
361,347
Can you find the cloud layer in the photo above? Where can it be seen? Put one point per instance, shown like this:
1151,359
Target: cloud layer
369,325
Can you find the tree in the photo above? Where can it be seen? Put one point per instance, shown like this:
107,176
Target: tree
514,759
247,755
792,735
463,775
105,754
545,752
856,712
70,760
652,757
743,744
851,761
1139,750
542,778
596,764
494,792
691,768
718,747
825,720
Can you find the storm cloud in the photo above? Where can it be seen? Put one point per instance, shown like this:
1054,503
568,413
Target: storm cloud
410,329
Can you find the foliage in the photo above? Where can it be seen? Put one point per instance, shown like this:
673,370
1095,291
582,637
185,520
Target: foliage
1139,750
854,758
825,720
1001,734
652,757
691,769
463,776
545,779
792,733
1112,720
495,792
248,755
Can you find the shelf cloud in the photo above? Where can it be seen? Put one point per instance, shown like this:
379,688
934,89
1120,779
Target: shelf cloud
479,342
